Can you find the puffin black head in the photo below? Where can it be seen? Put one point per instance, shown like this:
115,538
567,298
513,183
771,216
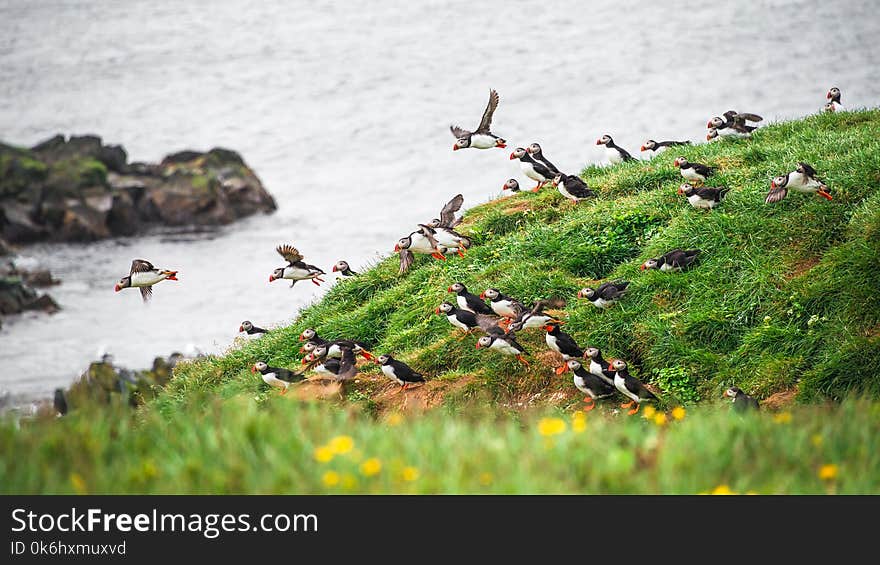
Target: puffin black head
307,334
124,282
534,149
711,134
604,140
834,94
308,347
686,189
829,107
277,274
490,293
245,326
457,288
591,352
403,243
518,153
648,146
650,264
485,341
260,367
341,266
557,179
779,182
445,308
573,364
716,122
618,365
384,359
461,143
552,327
680,162
587,293
732,392
512,185
320,351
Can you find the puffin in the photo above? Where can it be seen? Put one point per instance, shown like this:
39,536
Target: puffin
572,187
561,343
343,269
630,386
599,366
449,238
833,96
481,138
607,294
275,376
713,134
296,269
468,301
465,319
447,217
309,334
735,121
340,368
502,304
742,402
694,172
706,197
802,179
143,275
829,107
538,155
660,146
250,329
421,241
535,317
615,154
329,366
538,172
59,402
512,185
399,371
505,343
337,347
675,260
588,383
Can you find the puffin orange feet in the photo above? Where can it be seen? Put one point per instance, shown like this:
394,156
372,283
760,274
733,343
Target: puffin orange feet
589,404
634,410
628,404
561,371
824,195
522,360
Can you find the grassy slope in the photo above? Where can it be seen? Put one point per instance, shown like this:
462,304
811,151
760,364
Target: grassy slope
785,296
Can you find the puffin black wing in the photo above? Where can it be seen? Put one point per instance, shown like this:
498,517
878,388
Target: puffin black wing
807,170
287,375
141,266
612,290
146,292
459,132
671,143
290,253
743,116
347,365
406,260
537,308
715,193
486,122
568,345
488,324
447,214
624,154
576,186
428,232
704,170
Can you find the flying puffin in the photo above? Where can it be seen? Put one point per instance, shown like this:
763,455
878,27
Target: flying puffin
694,172
502,304
615,154
742,402
343,269
250,329
276,377
538,172
572,187
465,319
706,197
481,138
505,343
802,179
660,146
296,269
447,217
675,260
449,238
468,301
399,371
538,155
421,241
512,185
594,387
143,276
630,386
535,317
599,366
561,343
735,121
607,294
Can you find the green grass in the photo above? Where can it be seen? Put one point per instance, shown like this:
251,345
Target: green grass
784,299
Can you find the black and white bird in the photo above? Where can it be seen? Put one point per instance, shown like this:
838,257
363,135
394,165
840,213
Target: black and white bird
693,172
512,185
502,304
466,320
536,317
660,146
599,366
741,401
572,187
714,134
802,179
561,343
447,217
143,275
607,294
594,387
296,269
343,269
833,104
675,260
449,239
630,386
705,197
538,172
399,371
250,328
538,155
505,343
468,301
421,241
275,376
341,368
482,137
310,334
734,121
615,153
336,348
59,402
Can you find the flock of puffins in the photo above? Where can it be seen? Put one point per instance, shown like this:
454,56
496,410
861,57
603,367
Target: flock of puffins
503,316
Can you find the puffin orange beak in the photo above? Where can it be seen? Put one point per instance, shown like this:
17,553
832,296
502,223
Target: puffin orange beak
580,294
116,287
680,191
170,275
253,369
642,148
501,145
483,296
512,156
828,96
437,310
772,184
709,124
334,268
598,142
642,267
241,328
455,147
824,195
708,137
478,345
548,328
301,338
396,248
676,162
449,289
271,278
562,370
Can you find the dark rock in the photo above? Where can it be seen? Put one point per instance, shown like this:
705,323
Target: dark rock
114,158
55,149
5,249
123,218
45,303
17,225
82,223
186,198
39,277
51,144
185,156
16,297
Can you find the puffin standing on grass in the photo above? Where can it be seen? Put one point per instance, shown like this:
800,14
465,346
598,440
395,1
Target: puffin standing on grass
599,366
143,275
572,187
615,153
399,371
343,269
465,319
538,155
833,97
705,197
693,172
538,172
310,334
630,386
660,146
468,301
275,376
803,179
675,260
505,343
742,402
561,343
594,387
481,138
250,329
296,269
502,304
607,294
512,185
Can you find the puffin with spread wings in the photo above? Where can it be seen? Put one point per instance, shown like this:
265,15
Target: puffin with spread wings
447,217
143,275
482,137
296,269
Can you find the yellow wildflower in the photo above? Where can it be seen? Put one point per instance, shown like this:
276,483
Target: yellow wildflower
579,422
78,483
331,479
323,454
371,467
660,419
648,412
782,418
410,474
722,489
551,426
394,419
340,445
828,472
679,412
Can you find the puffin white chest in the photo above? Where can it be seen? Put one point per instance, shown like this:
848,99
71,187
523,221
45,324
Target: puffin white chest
601,303
146,279
272,380
297,273
620,385
389,372
462,303
536,321
504,347
456,322
613,155
668,267
698,202
446,238
482,141
529,170
690,174
564,191
596,369
503,308
551,342
581,385
420,244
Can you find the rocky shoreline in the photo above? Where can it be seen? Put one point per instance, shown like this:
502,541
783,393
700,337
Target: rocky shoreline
18,288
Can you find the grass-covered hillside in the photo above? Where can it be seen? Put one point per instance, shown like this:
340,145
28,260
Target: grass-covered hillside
783,303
